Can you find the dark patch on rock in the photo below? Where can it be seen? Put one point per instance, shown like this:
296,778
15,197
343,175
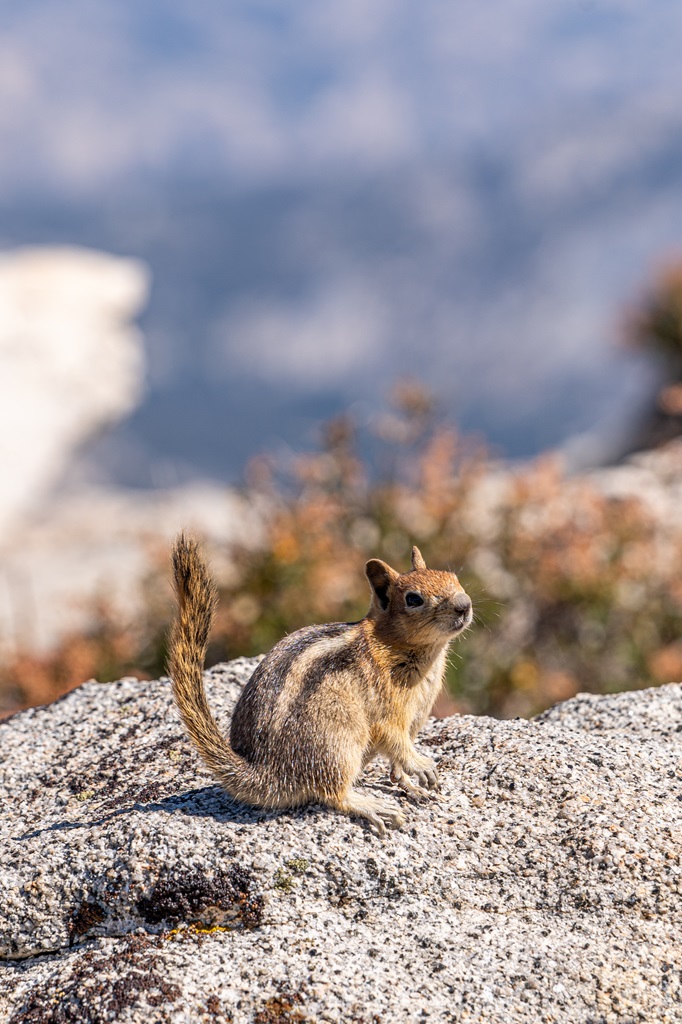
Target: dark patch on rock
434,740
342,891
281,1009
225,898
111,784
150,793
88,915
345,891
216,1012
101,988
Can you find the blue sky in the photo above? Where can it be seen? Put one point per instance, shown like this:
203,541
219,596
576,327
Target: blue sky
92,91
465,191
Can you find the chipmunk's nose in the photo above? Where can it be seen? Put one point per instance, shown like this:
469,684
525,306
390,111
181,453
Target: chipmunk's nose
462,603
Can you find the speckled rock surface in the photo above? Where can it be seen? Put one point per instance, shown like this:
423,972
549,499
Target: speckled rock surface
543,885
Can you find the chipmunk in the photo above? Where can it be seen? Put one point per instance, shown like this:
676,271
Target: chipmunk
326,699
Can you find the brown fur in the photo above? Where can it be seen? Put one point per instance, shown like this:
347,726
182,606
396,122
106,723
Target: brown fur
327,699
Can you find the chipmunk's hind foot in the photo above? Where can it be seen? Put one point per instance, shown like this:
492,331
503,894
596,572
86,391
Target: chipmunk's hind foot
373,810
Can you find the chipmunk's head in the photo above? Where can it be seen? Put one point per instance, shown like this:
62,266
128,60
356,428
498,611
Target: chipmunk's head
420,607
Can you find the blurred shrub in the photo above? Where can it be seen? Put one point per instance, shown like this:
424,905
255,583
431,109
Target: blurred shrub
655,328
109,649
573,590
656,325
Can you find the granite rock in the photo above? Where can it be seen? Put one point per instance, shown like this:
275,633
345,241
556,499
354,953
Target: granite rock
543,885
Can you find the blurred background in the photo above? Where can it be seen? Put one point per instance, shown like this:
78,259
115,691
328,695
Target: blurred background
324,281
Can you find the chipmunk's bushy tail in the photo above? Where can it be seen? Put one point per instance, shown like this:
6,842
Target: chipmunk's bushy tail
197,598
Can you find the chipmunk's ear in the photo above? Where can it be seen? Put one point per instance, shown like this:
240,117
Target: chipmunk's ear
381,578
417,559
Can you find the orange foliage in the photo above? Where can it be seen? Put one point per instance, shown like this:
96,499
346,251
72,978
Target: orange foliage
573,590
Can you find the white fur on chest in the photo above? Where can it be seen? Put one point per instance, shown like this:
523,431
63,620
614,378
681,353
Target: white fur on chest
426,693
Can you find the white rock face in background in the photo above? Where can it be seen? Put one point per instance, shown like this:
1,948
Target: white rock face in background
71,362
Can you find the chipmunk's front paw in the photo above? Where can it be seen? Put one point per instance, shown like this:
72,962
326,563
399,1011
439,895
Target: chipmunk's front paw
423,769
405,783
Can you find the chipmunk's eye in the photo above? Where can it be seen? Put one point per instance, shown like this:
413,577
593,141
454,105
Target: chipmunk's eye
413,600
